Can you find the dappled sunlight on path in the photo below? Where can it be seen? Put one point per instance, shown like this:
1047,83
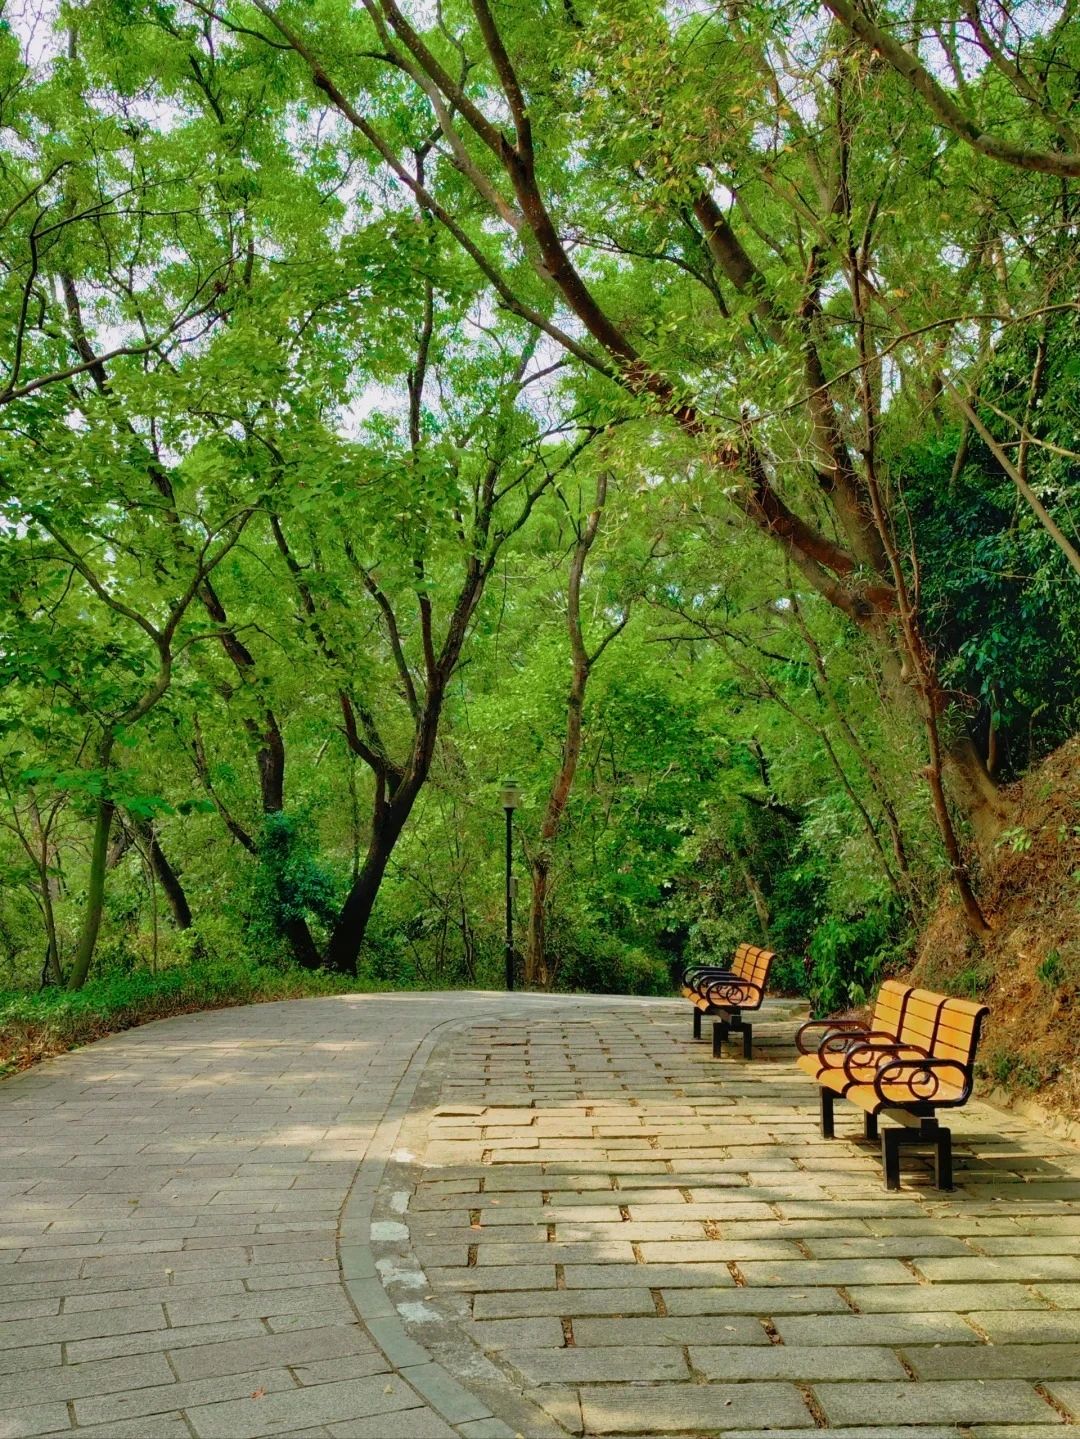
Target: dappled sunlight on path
169,1238
645,1240
429,1215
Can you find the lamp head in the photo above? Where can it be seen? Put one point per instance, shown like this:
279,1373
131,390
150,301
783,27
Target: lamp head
510,794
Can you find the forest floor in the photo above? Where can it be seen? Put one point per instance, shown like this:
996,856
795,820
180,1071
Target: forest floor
1028,972
434,1215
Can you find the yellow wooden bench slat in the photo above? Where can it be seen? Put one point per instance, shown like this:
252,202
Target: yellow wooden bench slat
885,1024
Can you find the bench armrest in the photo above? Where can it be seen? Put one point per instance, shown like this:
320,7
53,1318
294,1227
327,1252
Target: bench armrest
733,991
922,1077
699,979
833,1026
874,1048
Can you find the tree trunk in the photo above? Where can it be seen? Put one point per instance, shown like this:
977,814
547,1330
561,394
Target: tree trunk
167,877
50,969
118,845
538,972
976,794
51,972
756,893
536,969
95,889
302,943
343,951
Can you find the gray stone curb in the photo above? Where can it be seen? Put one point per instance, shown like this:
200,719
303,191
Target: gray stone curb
420,1333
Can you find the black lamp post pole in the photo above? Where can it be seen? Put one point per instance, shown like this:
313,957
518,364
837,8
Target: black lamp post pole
509,898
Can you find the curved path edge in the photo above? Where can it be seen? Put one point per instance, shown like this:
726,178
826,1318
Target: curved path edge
171,1198
419,1332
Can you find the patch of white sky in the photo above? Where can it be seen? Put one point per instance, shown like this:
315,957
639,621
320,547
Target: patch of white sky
538,393
795,61
678,12
34,23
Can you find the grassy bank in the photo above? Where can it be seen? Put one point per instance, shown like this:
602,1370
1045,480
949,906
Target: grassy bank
35,1026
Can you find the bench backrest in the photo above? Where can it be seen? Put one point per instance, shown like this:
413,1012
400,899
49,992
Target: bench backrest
753,964
919,1026
888,1015
959,1026
943,1027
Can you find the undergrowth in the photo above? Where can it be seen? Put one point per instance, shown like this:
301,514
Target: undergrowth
35,1026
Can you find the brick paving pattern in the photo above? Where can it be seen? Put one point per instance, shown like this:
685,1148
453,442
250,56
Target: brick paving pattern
170,1204
648,1241
426,1216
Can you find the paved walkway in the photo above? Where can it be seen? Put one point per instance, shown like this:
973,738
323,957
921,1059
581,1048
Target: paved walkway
427,1216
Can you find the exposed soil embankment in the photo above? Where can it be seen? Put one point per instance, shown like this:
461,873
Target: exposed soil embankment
1029,969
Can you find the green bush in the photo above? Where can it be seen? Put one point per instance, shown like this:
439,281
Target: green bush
1052,969
603,964
290,882
974,982
847,957
1012,1072
790,974
797,907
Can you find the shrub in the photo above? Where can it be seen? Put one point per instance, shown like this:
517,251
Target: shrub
847,956
603,964
1052,970
973,982
289,882
1012,1072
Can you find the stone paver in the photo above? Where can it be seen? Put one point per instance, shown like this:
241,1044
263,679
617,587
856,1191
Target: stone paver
773,1287
486,1216
171,1227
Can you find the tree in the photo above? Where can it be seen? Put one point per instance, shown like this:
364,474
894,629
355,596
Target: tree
832,190
1036,68
336,315
538,970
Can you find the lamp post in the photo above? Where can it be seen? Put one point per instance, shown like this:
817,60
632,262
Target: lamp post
511,798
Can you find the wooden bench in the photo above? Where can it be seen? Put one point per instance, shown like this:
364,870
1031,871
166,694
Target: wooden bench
915,1056
726,994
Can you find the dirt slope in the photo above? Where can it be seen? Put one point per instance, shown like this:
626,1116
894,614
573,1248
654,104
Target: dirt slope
1029,971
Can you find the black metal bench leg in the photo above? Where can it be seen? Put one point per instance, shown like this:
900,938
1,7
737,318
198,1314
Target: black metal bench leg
747,1041
870,1126
943,1175
697,1022
720,1031
827,1128
890,1156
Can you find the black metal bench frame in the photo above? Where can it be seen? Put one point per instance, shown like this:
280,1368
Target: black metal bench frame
916,1119
915,1127
728,1018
